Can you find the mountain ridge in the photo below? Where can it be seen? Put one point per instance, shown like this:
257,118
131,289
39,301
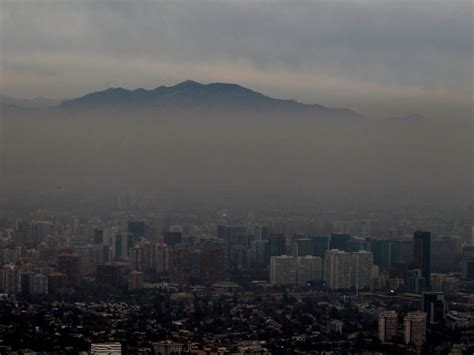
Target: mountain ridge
193,95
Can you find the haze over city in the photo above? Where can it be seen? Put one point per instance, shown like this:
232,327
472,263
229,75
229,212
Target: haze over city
236,177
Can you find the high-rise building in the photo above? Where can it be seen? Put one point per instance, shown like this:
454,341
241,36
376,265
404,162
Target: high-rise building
136,258
445,253
117,250
416,281
98,236
320,245
173,238
40,230
180,265
468,234
232,234
414,325
339,241
10,280
422,255
337,269
304,246
355,245
260,253
137,229
212,265
277,245
308,269
388,325
434,307
240,257
283,270
135,280
161,259
468,263
402,251
56,282
85,251
70,265
262,232
362,264
382,250
109,274
37,284
446,283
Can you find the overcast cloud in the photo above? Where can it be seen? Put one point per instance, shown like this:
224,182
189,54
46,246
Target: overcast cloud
369,55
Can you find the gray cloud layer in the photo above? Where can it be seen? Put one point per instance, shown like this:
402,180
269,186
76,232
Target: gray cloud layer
370,55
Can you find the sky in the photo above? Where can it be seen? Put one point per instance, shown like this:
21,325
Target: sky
396,57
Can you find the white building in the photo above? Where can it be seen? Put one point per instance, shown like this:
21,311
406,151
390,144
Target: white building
308,268
337,269
106,349
283,270
362,263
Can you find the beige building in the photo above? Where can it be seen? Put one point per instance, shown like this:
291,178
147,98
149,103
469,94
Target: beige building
283,270
388,325
414,325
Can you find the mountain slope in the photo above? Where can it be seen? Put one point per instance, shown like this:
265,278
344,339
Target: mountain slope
193,95
38,102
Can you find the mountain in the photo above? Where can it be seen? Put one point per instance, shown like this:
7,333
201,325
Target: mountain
38,102
193,95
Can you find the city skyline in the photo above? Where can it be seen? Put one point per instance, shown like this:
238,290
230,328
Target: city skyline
236,177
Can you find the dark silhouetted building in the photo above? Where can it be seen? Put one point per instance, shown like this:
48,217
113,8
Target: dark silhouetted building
416,281
277,245
382,250
468,263
173,238
399,270
232,234
445,254
212,265
320,245
402,251
118,246
131,240
339,241
56,282
70,265
304,247
422,255
137,229
109,274
434,307
180,265
98,236
262,232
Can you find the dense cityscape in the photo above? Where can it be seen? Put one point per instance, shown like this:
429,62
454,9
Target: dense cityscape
205,284
236,177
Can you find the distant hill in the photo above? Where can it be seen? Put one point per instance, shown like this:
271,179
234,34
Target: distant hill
38,102
192,95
